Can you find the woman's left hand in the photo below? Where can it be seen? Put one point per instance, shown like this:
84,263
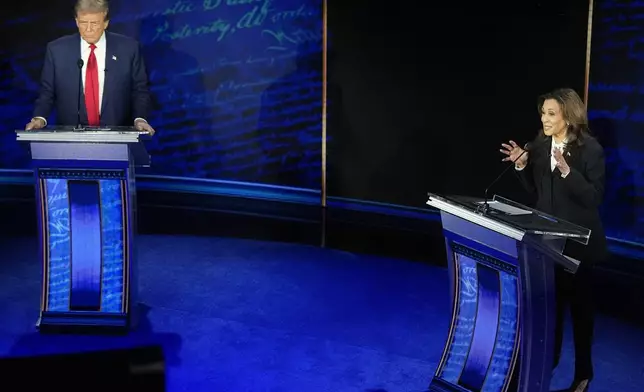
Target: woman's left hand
561,162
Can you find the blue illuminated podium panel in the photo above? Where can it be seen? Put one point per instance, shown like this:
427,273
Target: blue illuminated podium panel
86,207
484,334
85,242
501,259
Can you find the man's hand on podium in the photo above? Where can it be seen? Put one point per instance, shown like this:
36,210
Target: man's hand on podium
35,123
142,125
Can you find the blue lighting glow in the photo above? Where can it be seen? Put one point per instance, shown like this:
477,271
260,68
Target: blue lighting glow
113,254
88,275
85,233
484,339
58,244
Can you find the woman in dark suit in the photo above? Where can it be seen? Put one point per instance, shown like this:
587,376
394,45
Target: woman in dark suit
566,170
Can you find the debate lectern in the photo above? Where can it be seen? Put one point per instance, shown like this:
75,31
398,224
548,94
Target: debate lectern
501,260
86,209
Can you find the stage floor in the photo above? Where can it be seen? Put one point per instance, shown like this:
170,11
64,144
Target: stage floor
246,315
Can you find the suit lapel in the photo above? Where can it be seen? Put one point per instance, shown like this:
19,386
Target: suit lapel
76,49
572,157
545,153
109,52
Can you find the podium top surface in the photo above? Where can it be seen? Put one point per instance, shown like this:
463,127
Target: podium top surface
85,144
82,135
509,217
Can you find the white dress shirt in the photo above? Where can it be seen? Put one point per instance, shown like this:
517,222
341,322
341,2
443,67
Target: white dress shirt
556,146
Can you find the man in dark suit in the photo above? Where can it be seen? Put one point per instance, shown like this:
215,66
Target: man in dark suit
114,81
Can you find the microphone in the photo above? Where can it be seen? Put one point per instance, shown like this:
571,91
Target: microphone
80,64
528,147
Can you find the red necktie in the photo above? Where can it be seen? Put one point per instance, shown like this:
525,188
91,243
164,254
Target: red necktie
91,89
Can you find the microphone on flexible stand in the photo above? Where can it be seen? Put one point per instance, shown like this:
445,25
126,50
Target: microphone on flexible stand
526,148
80,64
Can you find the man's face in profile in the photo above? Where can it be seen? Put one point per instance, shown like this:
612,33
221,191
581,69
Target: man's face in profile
91,25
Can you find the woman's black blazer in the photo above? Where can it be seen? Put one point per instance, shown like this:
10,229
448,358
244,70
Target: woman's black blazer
575,198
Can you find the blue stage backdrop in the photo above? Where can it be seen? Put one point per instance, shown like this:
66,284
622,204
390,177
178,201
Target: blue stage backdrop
237,84
616,110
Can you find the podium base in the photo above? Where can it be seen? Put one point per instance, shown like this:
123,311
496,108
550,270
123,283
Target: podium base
85,323
438,385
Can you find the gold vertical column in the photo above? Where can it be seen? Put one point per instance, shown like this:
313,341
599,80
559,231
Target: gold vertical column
324,103
588,46
324,112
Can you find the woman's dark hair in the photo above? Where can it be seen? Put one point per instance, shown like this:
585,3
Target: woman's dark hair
574,113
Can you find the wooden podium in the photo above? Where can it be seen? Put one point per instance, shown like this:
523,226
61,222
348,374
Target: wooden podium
86,208
501,259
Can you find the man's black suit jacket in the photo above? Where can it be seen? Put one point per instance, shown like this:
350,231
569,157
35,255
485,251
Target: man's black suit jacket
125,95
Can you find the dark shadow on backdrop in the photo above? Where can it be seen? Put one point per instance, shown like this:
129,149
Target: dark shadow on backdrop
20,81
180,114
619,210
283,123
340,170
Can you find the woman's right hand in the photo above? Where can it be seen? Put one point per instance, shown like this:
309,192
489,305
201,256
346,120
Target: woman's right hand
512,152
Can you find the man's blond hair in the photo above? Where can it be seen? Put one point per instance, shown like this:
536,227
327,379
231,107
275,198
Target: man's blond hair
93,6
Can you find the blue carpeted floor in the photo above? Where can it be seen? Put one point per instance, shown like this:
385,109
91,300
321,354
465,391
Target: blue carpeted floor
241,315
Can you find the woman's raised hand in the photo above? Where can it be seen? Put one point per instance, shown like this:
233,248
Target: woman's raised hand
513,152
